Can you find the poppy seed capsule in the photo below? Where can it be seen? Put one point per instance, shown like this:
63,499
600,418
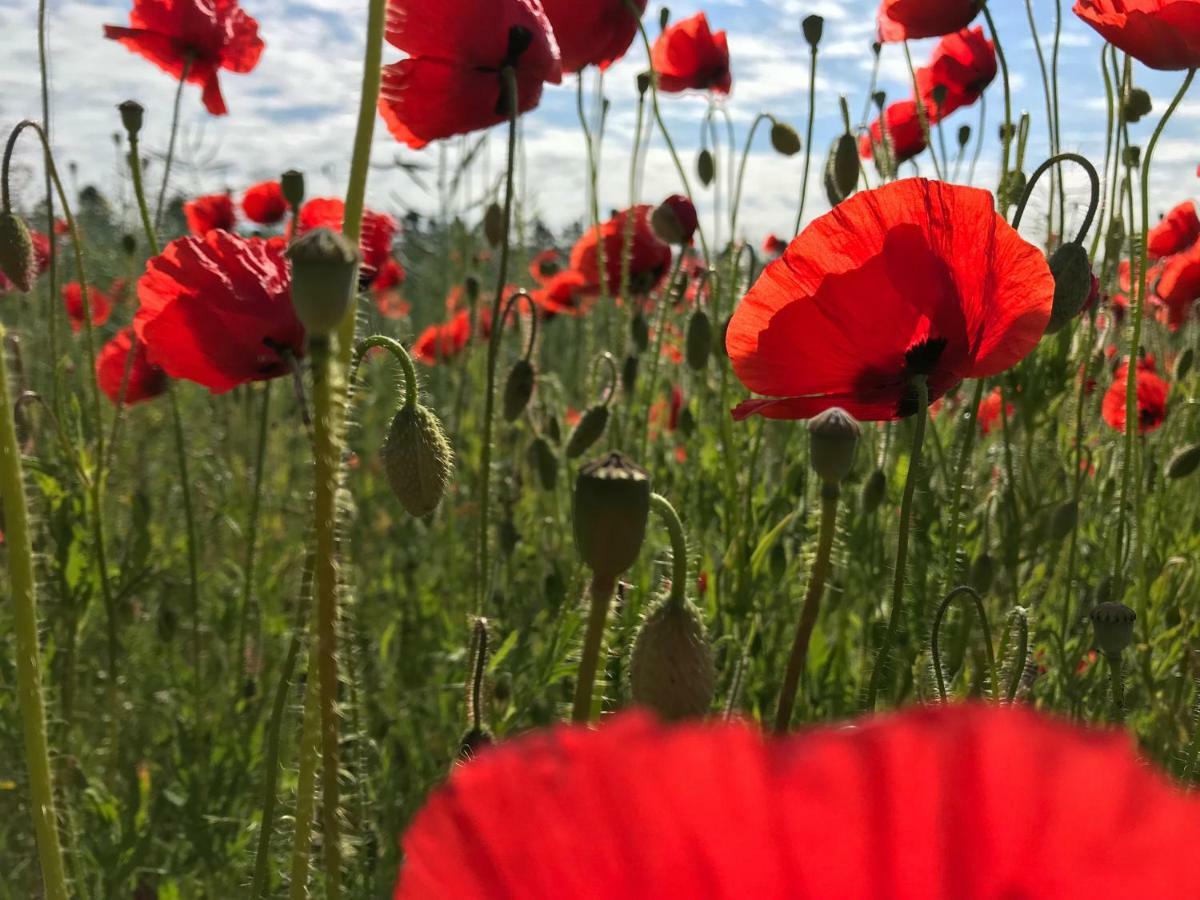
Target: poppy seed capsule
543,461
611,507
813,28
417,459
845,164
1112,623
324,267
1184,462
16,252
671,670
833,436
587,430
706,168
1137,104
1132,157
132,116
1072,271
291,183
964,135
493,224
873,491
699,339
643,83
784,138
518,389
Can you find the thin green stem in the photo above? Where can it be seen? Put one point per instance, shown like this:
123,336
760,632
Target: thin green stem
189,514
935,648
600,590
306,779
922,112
674,525
969,427
808,136
1006,142
52,255
1116,682
162,191
264,424
1054,174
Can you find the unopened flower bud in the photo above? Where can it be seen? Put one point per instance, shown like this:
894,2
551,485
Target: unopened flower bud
417,459
1132,156
132,116
813,27
1072,271
833,436
699,339
873,491
643,83
128,244
1183,365
687,421
1137,104
493,224
544,462
1184,462
664,17
1112,623
844,165
784,138
324,266
475,741
706,167
518,389
471,288
671,670
611,507
16,252
587,430
675,220
964,135
291,183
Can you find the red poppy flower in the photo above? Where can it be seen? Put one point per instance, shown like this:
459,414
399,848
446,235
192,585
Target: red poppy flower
1162,34
439,343
564,294
217,310
100,303
774,245
915,278
906,138
989,410
264,203
451,82
938,803
682,214
199,36
1152,394
210,212
378,232
386,287
649,258
596,33
1177,231
964,64
906,20
689,56
545,266
145,380
1179,286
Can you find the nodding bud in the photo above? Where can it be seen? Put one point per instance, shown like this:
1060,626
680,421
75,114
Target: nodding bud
873,491
879,98
1112,623
518,389
699,339
1137,104
983,573
493,224
1063,519
417,459
664,16
643,83
1132,156
629,374
964,135
1183,365
639,330
675,220
671,669
291,183
129,244
132,116
706,167
324,268
544,462
17,261
612,505
813,27
587,430
784,138
833,437
1184,462
1072,271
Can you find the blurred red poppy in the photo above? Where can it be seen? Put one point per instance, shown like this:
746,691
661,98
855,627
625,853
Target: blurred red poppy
915,278
1152,394
1162,34
689,56
200,37
649,258
562,295
596,33
906,20
439,343
774,245
905,137
964,63
145,380
452,83
100,303
218,311
937,803
1177,231
211,211
989,410
264,203
378,232
1179,286
545,266
386,288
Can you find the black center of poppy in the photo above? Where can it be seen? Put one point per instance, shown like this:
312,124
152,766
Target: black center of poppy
1147,417
519,39
921,358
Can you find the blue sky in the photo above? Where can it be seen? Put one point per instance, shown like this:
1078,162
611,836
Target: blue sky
297,108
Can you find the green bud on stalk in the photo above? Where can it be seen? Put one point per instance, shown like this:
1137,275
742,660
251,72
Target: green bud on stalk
493,224
873,492
706,167
1072,271
671,669
1112,624
833,437
133,114
291,183
518,389
544,462
16,252
587,430
784,138
699,339
1184,462
417,459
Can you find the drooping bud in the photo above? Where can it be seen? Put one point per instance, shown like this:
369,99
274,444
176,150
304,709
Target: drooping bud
612,505
813,27
543,461
587,430
417,459
833,436
1072,271
493,224
843,166
17,261
699,339
643,83
639,330
324,267
1112,623
675,220
629,374
873,491
518,389
132,116
1184,462
671,669
1137,104
291,183
784,138
706,167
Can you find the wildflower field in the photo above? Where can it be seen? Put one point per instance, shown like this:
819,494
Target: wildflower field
602,474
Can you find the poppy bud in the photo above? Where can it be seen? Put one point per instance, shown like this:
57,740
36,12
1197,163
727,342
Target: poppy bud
587,430
722,334
1063,520
880,98
964,135
553,432
687,421
417,459
876,48
1132,157
983,573
129,244
493,224
833,438
612,504
845,167
473,742
1183,365
675,220
784,138
699,339
1072,271
664,17
291,183
324,265
1184,462
629,374
1137,104
671,669
518,389
132,116
939,97
813,27
1113,626
643,83
16,252
706,168
542,460
873,491
639,330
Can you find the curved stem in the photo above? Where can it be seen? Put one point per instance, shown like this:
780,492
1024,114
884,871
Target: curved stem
808,139
671,520
531,341
1093,176
601,591
987,637
1006,142
614,376
52,255
397,350
162,191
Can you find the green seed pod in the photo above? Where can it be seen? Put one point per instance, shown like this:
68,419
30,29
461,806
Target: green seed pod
518,388
639,330
1137,104
983,573
1072,271
833,438
1132,157
291,183
813,28
873,491
964,135
784,138
543,460
687,421
629,374
845,164
699,339
611,507
1062,521
643,83
493,224
324,267
1184,462
417,459
132,116
1112,624
1183,365
587,430
671,669
706,167
16,252
831,189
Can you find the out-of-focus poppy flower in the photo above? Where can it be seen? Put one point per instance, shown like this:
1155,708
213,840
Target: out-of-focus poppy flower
199,37
1179,285
906,20
690,56
391,304
1152,394
649,258
378,232
439,343
213,211
989,410
545,266
905,137
964,64
774,245
386,288
676,407
1161,34
100,303
937,803
913,279
563,294
390,275
596,33
264,203
217,310
452,83
675,220
145,380
1177,231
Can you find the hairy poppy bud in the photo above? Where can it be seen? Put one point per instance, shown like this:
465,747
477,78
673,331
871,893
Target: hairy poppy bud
784,138
553,432
129,244
1137,104
1183,365
983,573
964,136
1184,462
493,224
873,491
324,265
1072,271
699,339
587,430
518,389
639,330
1132,157
16,252
291,183
543,461
813,27
629,374
612,505
132,116
1112,623
844,165
664,17
643,83
1062,521
674,220
671,669
417,459
706,167
833,437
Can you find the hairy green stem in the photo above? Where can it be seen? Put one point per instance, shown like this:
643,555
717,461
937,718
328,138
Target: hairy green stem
674,525
306,780
600,591
808,136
